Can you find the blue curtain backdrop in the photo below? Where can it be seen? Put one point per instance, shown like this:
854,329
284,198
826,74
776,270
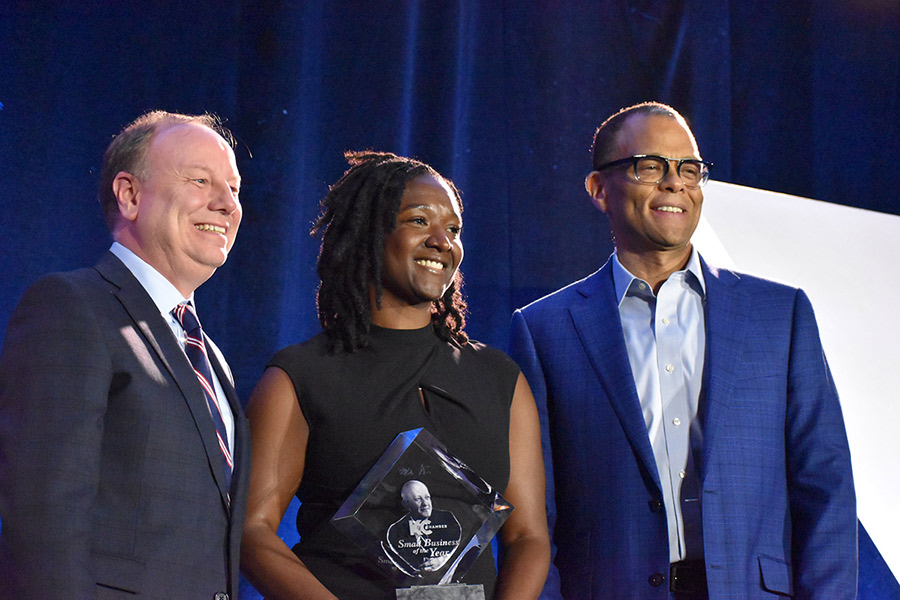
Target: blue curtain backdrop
503,97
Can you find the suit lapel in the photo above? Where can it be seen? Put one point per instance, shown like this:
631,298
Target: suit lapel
599,328
223,372
725,331
145,315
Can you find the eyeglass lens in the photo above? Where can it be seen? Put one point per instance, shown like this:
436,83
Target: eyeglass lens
652,169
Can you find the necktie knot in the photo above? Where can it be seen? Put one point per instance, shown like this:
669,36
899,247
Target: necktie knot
186,316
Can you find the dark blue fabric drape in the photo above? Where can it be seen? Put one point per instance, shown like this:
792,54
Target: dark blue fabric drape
800,97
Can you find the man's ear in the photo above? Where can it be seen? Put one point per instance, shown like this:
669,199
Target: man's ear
596,188
126,188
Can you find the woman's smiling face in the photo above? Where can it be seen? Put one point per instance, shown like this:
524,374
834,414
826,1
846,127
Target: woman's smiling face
424,250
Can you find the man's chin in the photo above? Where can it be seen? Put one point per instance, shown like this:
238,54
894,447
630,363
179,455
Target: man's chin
213,260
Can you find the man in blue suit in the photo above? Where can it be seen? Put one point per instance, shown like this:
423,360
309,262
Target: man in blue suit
693,437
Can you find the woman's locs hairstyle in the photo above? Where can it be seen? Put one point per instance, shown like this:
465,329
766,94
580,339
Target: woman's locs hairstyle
356,215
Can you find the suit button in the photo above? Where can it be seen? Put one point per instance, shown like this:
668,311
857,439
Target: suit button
656,505
657,579
221,596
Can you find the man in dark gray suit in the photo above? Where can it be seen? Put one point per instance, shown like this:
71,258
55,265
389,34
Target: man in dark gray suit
124,452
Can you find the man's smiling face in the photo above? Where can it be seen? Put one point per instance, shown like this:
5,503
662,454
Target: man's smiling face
184,213
642,217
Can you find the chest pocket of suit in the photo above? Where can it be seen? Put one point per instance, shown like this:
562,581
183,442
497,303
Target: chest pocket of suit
775,576
117,577
766,370
110,593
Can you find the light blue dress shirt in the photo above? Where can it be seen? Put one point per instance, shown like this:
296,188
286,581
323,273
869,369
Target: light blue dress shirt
665,337
167,297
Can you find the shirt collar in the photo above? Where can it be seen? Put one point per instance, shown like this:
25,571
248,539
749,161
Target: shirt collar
623,279
164,295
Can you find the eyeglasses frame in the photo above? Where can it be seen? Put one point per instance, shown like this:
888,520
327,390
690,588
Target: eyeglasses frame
634,162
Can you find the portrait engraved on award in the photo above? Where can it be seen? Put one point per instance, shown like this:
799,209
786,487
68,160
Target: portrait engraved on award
422,514
425,537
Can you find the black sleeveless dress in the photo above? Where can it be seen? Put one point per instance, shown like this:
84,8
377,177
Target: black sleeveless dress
357,403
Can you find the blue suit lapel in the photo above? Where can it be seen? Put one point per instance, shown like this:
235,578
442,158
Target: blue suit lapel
599,328
156,332
725,331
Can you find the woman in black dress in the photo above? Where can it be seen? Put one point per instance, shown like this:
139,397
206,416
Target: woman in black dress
392,357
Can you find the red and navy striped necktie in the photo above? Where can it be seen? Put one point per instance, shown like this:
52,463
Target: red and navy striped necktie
195,348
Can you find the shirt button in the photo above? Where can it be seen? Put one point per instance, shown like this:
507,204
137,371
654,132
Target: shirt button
656,579
642,286
665,321
670,367
682,474
676,421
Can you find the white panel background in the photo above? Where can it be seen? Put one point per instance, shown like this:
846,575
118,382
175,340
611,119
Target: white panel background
846,261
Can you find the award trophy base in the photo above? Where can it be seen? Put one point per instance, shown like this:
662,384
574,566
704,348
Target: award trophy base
452,591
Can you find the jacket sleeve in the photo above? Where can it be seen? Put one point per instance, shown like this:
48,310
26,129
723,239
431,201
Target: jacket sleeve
523,351
820,482
55,374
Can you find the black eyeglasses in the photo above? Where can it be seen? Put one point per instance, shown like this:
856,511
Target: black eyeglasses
651,169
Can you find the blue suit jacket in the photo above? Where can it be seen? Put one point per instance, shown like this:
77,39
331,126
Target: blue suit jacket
111,479
779,510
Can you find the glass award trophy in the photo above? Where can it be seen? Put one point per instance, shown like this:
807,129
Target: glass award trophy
424,517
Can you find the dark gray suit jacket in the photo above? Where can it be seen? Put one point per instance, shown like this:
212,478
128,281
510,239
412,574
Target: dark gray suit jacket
111,479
